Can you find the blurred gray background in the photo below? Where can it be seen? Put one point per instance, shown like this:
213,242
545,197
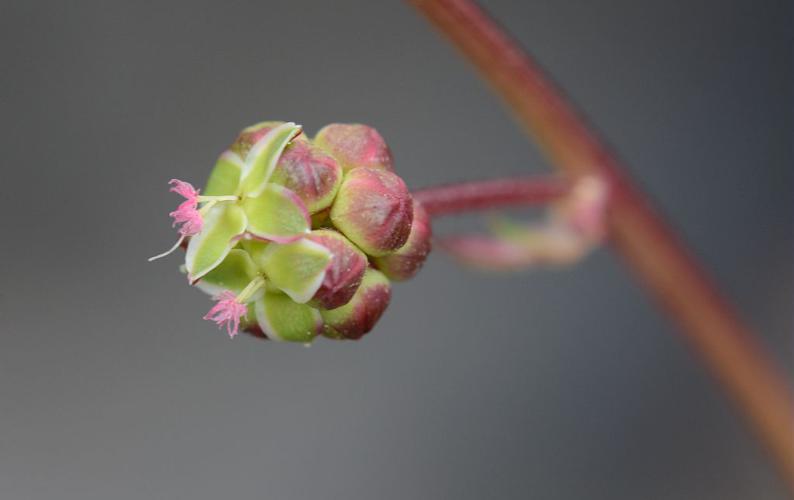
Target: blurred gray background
550,385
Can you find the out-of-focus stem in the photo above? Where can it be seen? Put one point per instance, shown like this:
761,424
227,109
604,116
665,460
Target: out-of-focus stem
658,257
491,194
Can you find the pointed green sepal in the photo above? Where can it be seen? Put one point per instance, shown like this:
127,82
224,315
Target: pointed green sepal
261,160
283,319
277,214
225,176
234,273
208,248
297,269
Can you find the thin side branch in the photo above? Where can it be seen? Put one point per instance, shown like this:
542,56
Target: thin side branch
491,194
658,257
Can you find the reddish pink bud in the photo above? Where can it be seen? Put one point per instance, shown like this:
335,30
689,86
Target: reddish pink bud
354,146
344,275
374,210
313,175
406,262
357,317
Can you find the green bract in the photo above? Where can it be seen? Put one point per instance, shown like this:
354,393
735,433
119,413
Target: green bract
234,273
276,214
298,268
207,249
225,177
282,319
262,158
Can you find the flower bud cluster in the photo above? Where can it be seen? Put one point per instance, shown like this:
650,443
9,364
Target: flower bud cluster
301,237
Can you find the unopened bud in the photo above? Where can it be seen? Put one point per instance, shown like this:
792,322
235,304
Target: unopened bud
354,146
374,210
345,272
313,175
406,262
357,317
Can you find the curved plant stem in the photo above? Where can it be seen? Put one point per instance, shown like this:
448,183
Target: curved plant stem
660,260
491,194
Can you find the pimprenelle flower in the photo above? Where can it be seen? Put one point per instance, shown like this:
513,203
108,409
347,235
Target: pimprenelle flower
285,233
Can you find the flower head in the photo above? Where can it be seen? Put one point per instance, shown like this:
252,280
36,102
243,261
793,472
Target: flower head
187,213
283,232
227,311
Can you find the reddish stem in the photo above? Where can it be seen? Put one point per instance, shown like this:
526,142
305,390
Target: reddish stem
662,262
491,194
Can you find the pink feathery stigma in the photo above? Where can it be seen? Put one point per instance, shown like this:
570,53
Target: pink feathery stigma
187,213
184,189
227,311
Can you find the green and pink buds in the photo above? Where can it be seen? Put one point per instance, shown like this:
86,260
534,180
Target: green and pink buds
374,210
287,233
354,146
311,173
357,317
406,261
344,273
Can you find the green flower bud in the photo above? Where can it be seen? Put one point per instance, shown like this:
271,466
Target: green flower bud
345,272
406,262
358,317
354,146
374,210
